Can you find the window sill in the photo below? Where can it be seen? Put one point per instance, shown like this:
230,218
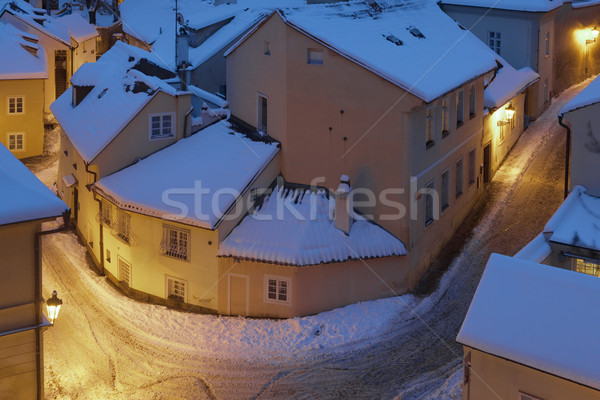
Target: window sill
459,124
161,137
471,116
185,259
428,222
459,195
445,133
429,144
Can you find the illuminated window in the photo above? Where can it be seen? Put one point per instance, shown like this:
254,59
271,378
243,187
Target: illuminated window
16,141
16,105
277,289
585,266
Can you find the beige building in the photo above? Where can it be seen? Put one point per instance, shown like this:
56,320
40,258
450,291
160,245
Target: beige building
22,83
26,203
68,42
529,334
332,84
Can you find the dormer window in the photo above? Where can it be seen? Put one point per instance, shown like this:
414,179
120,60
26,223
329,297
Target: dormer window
79,93
162,126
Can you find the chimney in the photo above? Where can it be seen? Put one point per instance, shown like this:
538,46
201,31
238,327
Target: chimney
344,206
182,44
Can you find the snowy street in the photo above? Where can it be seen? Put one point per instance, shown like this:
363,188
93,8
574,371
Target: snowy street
107,346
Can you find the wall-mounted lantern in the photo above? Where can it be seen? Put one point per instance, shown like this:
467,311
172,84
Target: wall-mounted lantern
592,35
510,113
53,307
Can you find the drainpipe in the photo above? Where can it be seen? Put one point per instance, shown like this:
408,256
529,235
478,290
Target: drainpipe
567,159
89,187
185,122
38,297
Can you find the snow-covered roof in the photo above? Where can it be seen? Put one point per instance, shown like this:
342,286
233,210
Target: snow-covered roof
508,83
588,96
294,227
577,221
198,174
515,5
152,21
537,250
79,28
539,316
23,64
24,197
384,37
31,15
113,101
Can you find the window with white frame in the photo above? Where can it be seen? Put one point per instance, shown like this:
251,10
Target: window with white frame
124,271
122,225
460,108
314,56
16,105
277,289
445,203
458,179
445,116
494,41
430,126
162,125
176,288
176,243
471,167
524,396
16,141
472,102
429,195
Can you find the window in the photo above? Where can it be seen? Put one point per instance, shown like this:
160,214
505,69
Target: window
472,102
176,243
176,289
16,105
278,289
458,179
124,271
16,141
494,41
445,117
523,396
460,108
471,167
161,125
445,190
106,213
430,127
547,43
586,266
430,196
267,48
314,56
123,225
262,117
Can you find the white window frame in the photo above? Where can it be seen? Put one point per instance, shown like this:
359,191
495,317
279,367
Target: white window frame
314,56
445,191
15,98
124,267
176,251
279,280
495,41
176,281
152,136
445,116
429,126
16,135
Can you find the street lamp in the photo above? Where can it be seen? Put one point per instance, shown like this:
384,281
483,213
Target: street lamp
510,113
53,307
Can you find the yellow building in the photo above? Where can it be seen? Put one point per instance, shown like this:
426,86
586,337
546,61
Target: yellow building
68,42
530,334
22,92
26,203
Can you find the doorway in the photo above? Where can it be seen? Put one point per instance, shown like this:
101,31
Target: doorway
487,157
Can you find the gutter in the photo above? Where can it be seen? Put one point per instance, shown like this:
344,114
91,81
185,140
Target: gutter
38,298
568,157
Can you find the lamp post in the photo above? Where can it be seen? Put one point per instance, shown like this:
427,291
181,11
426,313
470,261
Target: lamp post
53,307
510,113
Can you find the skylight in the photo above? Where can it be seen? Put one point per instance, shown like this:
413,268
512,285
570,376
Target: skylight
415,32
394,39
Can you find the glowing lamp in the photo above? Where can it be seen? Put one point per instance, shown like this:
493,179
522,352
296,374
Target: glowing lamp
595,33
53,307
510,112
